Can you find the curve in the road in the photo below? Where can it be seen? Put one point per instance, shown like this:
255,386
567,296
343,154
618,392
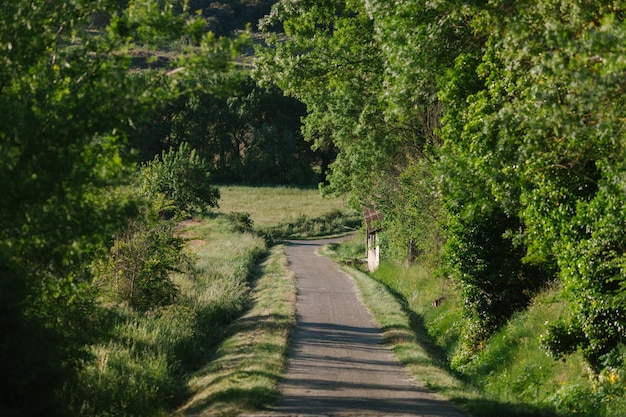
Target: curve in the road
338,364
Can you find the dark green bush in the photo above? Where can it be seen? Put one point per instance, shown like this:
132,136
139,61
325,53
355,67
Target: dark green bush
241,221
137,269
182,177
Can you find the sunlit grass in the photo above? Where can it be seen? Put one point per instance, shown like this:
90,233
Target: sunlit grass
144,366
243,374
272,206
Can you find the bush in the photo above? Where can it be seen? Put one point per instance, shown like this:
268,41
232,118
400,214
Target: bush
333,222
137,268
242,222
182,177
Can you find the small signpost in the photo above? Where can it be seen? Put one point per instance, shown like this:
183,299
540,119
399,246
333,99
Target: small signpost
373,220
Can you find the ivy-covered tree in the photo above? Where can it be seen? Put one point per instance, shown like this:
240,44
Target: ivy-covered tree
570,119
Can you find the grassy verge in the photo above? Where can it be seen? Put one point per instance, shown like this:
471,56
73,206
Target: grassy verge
423,359
243,374
142,367
420,313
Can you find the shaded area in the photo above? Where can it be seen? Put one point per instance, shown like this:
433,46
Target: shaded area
436,355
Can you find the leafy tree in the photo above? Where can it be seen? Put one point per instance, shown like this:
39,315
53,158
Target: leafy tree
67,100
543,132
246,133
572,122
331,63
182,177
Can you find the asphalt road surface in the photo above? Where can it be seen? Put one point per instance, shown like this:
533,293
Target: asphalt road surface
338,364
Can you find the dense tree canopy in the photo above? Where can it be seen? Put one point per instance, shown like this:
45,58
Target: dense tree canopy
67,100
246,133
500,122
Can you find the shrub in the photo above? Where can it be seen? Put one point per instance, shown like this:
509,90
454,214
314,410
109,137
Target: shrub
136,269
242,222
182,177
333,222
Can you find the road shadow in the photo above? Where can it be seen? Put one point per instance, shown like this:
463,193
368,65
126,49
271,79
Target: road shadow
362,348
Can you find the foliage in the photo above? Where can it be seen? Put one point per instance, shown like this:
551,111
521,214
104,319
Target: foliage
330,63
543,135
246,133
68,102
138,267
411,226
518,107
180,176
241,221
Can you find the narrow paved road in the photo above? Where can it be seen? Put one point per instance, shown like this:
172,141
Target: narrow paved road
338,363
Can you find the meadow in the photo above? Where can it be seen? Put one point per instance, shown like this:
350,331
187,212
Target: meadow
289,212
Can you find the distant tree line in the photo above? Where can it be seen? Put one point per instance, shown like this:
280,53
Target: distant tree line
222,18
225,17
247,133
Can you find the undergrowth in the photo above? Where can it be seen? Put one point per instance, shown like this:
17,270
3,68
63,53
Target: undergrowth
303,226
143,366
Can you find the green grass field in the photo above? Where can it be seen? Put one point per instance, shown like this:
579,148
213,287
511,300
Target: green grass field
289,212
271,206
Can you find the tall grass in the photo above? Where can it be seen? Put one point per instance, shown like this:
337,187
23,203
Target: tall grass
243,374
143,367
